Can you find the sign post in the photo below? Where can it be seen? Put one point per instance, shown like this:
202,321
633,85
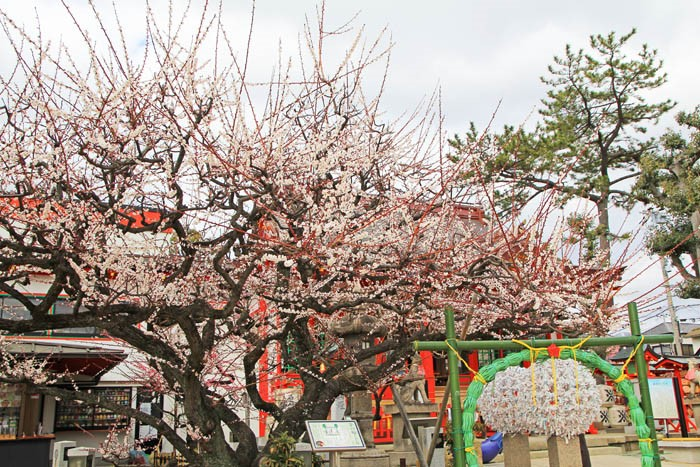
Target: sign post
335,436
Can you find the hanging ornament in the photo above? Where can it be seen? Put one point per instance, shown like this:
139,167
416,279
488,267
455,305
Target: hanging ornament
557,397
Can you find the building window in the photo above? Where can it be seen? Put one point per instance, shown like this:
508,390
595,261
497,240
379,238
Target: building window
487,357
151,403
10,402
76,415
687,350
11,308
669,349
65,307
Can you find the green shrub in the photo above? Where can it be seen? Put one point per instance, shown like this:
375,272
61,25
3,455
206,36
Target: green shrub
281,452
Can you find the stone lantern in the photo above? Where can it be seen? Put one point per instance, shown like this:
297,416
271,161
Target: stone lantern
358,332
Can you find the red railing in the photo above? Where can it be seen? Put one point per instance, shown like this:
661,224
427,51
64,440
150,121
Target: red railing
383,431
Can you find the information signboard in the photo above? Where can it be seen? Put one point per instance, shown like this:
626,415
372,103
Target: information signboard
663,398
335,435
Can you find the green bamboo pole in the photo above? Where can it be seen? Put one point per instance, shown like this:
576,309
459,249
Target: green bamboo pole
510,345
453,367
641,364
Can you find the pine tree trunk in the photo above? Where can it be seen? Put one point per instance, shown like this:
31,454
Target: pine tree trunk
604,226
695,222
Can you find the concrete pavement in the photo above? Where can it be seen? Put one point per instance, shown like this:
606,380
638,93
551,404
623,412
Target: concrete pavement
611,460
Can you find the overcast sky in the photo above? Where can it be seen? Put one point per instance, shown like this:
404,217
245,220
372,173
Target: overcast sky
480,53
483,52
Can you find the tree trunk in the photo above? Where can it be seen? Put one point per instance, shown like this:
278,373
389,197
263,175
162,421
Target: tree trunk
695,222
604,227
216,452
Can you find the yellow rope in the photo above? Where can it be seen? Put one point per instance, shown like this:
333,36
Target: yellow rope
532,380
554,381
534,351
470,449
533,357
622,376
573,349
578,396
646,440
477,375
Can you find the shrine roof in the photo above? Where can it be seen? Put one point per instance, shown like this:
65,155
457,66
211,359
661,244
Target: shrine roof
672,361
624,353
665,328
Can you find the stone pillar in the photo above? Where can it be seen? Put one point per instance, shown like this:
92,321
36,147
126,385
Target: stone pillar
563,454
516,450
695,404
361,408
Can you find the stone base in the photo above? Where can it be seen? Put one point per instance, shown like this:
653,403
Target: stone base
412,460
695,404
682,450
396,456
369,457
563,454
440,458
516,450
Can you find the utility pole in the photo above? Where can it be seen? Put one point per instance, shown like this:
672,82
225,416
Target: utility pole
675,327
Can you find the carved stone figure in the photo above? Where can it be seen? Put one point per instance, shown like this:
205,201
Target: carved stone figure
412,385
